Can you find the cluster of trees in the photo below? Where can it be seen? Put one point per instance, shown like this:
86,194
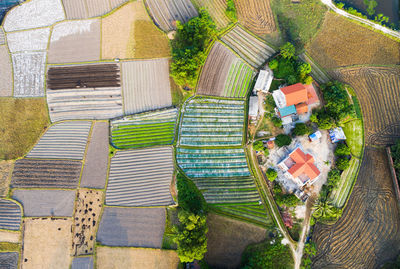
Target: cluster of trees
309,251
271,174
189,48
342,152
396,157
281,199
282,140
301,129
337,106
287,67
190,234
230,10
259,146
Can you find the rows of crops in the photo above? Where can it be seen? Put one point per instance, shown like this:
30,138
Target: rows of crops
342,191
212,122
224,74
250,48
145,129
216,9
80,9
10,215
368,233
377,91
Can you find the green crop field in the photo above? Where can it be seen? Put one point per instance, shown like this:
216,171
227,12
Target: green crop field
145,129
354,136
238,81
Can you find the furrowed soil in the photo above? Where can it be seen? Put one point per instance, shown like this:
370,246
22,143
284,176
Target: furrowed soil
5,177
228,238
115,258
21,123
342,43
368,233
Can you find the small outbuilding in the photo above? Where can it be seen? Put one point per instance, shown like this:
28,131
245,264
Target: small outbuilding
264,80
315,136
337,134
253,108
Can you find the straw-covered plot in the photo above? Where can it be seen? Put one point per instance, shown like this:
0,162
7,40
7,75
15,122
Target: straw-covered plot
132,227
75,41
29,71
5,176
10,215
250,48
136,258
82,263
212,122
146,85
30,173
9,260
34,14
47,243
144,129
86,218
96,162
130,33
165,13
28,40
216,9
45,203
141,177
65,140
5,72
224,74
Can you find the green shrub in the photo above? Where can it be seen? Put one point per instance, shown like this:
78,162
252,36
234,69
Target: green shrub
301,129
259,146
333,177
271,174
273,64
230,11
283,140
288,200
269,103
342,163
287,50
342,150
189,197
276,121
337,104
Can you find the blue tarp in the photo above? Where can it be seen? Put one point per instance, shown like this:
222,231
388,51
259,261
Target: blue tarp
287,110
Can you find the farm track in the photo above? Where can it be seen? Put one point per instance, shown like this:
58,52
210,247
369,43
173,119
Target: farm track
65,140
10,215
44,203
377,89
132,227
166,12
251,49
30,173
368,233
141,177
216,9
9,260
146,85
256,15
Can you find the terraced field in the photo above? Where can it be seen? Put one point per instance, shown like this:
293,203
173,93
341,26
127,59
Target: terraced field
368,233
224,74
65,140
216,9
45,203
212,122
137,227
377,89
146,85
256,15
251,49
145,129
165,13
10,215
46,174
141,177
9,260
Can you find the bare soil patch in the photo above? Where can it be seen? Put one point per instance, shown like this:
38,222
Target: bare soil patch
115,258
342,42
228,238
11,237
5,72
47,243
5,177
86,218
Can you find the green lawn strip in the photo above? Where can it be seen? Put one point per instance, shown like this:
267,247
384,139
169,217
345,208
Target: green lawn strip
249,210
354,132
143,138
357,106
143,145
246,85
340,193
142,141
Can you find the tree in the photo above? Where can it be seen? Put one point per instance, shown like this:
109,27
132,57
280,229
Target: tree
307,80
231,10
342,150
287,51
301,129
325,122
276,121
371,5
291,79
273,64
269,103
190,236
189,197
283,140
325,210
259,146
271,174
288,200
333,177
337,100
304,69
342,163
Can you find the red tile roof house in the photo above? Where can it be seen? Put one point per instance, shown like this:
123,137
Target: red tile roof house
300,167
295,100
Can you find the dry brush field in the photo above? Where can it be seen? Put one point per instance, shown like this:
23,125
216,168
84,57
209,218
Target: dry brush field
342,42
256,15
378,90
368,233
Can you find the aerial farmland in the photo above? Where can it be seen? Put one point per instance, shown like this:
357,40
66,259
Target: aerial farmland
199,134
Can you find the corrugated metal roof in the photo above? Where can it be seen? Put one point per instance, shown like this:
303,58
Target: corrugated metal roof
287,110
141,177
65,140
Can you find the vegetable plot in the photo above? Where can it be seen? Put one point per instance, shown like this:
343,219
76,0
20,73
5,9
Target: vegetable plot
145,129
212,122
10,215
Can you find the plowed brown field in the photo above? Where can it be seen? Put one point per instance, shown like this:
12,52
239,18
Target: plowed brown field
256,15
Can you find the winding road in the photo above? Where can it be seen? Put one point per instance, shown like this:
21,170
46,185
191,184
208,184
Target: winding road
376,26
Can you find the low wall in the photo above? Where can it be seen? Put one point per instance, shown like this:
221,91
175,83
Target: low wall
394,176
